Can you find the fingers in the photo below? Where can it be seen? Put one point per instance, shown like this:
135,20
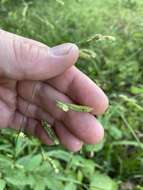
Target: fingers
67,139
81,89
33,111
82,125
21,58
85,126
30,126
6,114
45,96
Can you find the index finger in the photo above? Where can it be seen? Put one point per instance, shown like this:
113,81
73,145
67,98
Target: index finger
81,89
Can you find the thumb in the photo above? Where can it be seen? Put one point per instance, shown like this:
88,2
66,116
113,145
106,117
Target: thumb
22,58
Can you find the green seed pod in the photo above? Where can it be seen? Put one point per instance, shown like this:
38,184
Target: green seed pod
97,37
62,106
50,132
67,107
87,54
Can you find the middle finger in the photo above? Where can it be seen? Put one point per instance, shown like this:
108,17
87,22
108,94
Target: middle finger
83,125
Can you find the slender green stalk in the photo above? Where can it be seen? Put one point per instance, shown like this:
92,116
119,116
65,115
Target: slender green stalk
50,132
97,37
131,130
88,53
47,158
73,107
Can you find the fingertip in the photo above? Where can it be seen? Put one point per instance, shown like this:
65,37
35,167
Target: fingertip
75,146
102,105
84,126
66,138
96,136
67,51
64,49
74,49
99,134
74,52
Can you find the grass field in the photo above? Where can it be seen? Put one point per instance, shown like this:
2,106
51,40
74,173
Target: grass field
117,162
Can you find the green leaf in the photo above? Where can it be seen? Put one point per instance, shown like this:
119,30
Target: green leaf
60,154
94,148
70,186
137,90
53,183
139,187
5,147
88,168
40,185
2,184
115,132
20,144
18,178
60,2
102,182
80,175
5,162
30,162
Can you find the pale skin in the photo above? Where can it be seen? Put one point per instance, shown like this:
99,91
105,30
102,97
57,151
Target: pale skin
26,65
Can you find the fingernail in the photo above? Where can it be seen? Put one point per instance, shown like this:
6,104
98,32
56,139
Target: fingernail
63,49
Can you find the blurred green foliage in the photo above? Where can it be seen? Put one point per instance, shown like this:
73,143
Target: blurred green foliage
116,163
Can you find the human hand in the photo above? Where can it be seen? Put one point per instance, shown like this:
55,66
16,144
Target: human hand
27,65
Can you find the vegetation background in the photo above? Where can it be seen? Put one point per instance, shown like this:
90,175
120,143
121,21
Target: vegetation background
116,163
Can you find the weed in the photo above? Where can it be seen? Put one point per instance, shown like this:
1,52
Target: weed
116,68
78,108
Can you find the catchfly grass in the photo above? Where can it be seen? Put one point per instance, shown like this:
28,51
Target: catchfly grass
84,54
